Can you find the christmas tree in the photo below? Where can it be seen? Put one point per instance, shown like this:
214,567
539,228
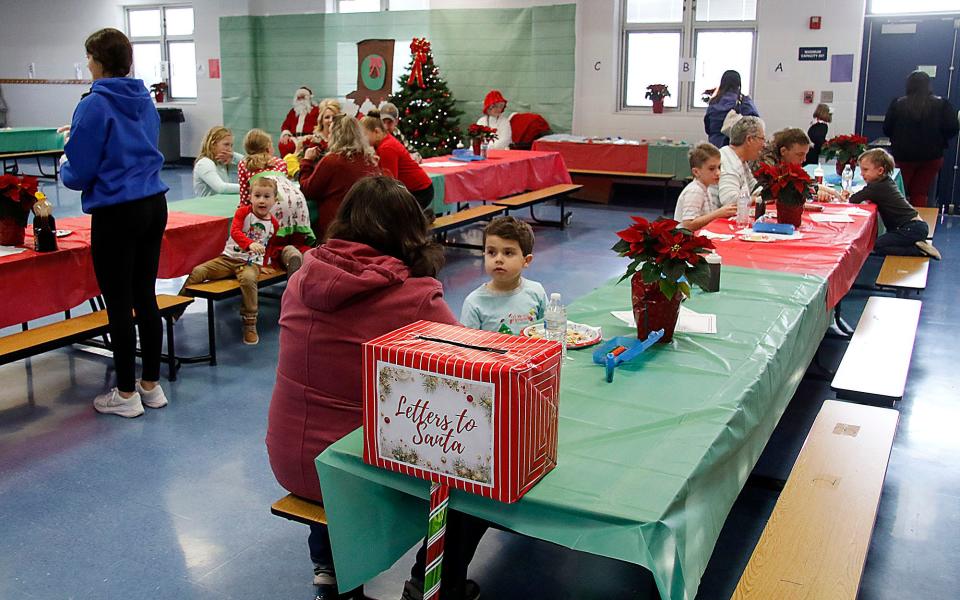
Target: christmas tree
428,118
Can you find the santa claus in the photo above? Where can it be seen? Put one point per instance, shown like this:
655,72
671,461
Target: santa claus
300,121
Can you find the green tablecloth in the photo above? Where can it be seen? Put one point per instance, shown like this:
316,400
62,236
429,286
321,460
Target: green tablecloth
649,466
221,205
669,158
30,139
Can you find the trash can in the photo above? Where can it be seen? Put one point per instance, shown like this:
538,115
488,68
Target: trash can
170,119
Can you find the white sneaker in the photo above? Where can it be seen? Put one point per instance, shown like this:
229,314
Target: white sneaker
112,403
155,398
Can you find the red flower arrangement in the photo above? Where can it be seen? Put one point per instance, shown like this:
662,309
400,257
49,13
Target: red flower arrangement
17,197
664,252
845,148
487,134
786,182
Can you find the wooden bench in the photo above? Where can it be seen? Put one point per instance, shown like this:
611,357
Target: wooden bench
930,215
661,179
84,328
443,225
903,274
221,289
815,543
300,510
37,154
531,199
875,364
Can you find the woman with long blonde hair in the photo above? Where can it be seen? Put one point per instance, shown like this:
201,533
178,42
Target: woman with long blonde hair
325,181
211,170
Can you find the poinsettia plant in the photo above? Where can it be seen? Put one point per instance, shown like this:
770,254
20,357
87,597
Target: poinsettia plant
17,196
657,91
487,134
786,182
845,148
662,251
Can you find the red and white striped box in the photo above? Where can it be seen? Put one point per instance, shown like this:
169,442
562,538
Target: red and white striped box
474,410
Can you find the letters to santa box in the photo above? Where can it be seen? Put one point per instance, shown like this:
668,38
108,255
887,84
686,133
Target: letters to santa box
473,410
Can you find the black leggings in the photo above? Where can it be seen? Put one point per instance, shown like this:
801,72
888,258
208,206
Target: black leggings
125,245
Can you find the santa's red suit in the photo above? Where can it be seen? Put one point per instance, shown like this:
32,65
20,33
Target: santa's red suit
297,126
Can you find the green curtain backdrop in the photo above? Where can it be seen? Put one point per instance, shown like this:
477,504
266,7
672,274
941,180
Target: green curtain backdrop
526,53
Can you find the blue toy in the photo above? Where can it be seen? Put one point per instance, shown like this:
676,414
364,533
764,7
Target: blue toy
605,355
781,228
465,155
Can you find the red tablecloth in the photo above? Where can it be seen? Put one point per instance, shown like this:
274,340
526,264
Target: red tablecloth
834,251
599,156
504,173
40,284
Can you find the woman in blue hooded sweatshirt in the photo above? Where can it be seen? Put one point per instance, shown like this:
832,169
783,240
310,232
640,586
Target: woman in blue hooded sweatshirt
727,96
112,158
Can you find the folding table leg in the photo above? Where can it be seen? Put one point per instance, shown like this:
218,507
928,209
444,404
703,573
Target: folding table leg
211,332
171,351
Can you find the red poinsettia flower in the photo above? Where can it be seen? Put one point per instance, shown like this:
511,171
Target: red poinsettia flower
672,245
660,227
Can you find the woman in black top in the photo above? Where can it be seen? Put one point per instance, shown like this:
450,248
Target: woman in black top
818,132
919,125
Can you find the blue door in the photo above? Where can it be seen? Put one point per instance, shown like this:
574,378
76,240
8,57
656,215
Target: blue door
895,47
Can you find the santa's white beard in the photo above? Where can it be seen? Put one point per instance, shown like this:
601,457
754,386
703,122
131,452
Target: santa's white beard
302,107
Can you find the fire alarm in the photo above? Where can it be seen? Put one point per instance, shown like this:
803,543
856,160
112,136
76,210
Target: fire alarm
808,97
814,22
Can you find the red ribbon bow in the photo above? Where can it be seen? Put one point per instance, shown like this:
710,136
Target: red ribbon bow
419,47
376,64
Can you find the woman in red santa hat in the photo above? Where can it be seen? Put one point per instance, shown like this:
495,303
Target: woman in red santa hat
301,120
494,117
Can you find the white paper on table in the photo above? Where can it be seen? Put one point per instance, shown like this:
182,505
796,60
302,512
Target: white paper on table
796,235
721,237
689,321
831,218
10,250
854,212
443,164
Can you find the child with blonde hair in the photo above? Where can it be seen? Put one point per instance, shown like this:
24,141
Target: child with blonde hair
259,148
211,170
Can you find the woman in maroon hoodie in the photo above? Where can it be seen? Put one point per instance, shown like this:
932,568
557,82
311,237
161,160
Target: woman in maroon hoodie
375,273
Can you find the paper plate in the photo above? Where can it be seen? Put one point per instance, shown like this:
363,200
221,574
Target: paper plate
578,334
758,237
63,232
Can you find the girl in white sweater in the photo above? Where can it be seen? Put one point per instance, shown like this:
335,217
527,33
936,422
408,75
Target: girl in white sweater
494,117
211,169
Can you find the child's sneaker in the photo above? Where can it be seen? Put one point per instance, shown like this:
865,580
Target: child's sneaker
250,336
928,249
112,403
155,398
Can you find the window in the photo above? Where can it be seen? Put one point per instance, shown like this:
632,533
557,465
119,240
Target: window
355,6
163,48
892,7
719,34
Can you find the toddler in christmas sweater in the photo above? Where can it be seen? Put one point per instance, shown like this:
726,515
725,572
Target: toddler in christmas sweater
259,148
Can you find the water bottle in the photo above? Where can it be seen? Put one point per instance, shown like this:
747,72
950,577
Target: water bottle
555,321
846,179
743,209
818,173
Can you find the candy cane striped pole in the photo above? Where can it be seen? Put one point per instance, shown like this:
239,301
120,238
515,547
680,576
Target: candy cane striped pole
436,530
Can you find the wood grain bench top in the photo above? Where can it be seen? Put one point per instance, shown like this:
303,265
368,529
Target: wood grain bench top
627,174
75,328
298,509
878,356
929,215
463,217
222,288
536,196
904,272
815,544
